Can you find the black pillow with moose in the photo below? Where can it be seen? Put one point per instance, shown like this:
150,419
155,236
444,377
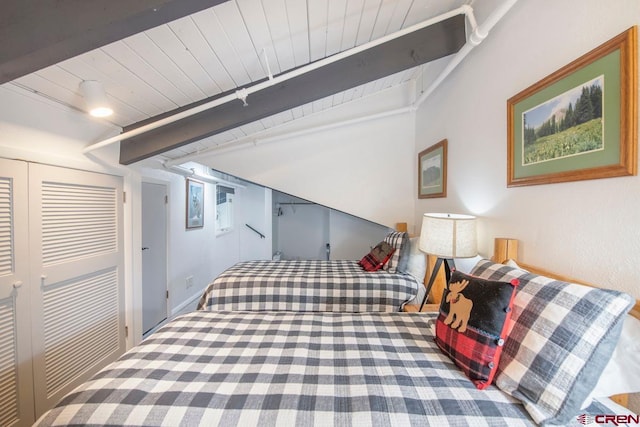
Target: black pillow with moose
473,324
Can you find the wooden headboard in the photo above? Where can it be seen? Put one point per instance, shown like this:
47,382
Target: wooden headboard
505,249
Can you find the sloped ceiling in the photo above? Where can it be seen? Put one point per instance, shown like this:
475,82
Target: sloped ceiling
206,53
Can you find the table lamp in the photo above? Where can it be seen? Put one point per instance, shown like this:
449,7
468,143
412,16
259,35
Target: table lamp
447,236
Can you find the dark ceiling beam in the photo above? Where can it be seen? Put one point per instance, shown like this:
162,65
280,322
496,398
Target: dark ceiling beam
35,34
413,49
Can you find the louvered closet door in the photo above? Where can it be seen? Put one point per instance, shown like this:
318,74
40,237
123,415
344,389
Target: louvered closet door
16,381
75,220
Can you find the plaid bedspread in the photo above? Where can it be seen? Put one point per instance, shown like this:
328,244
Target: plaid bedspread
286,369
341,286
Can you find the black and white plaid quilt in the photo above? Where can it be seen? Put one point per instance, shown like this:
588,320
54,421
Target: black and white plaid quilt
287,369
340,286
290,369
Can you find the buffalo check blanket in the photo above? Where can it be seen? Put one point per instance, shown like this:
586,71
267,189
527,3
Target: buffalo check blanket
286,369
340,286
289,369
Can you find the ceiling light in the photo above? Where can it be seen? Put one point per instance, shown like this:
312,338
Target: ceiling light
95,98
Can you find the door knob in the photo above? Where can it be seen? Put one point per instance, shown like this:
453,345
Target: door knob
144,249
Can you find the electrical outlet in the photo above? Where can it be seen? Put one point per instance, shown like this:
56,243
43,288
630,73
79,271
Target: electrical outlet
189,281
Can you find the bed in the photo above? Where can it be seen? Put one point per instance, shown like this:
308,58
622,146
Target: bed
340,286
313,368
323,286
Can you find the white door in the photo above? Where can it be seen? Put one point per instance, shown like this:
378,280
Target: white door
154,255
76,277
16,380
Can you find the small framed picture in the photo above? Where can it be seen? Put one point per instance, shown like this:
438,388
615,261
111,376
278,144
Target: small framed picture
432,171
195,204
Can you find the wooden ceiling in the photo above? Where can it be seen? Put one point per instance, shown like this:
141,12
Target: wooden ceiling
224,47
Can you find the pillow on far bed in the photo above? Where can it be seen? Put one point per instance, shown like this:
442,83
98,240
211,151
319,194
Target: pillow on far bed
378,257
473,324
562,338
400,242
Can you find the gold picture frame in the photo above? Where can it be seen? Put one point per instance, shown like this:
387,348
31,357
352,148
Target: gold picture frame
579,122
432,171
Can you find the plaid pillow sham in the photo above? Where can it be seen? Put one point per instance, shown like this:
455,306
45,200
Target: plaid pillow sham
399,260
562,338
378,257
472,327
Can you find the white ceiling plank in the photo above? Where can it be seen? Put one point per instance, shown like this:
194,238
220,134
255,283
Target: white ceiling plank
347,95
256,25
299,31
201,70
369,88
385,12
338,98
317,106
307,108
335,25
43,82
327,102
130,60
351,23
253,127
154,56
297,113
209,26
381,84
101,60
424,9
237,133
267,122
275,12
367,21
317,16
399,15
238,36
358,91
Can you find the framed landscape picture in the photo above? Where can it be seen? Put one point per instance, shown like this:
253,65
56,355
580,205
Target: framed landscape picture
195,204
579,122
432,171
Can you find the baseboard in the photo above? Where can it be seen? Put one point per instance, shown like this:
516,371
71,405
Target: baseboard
192,299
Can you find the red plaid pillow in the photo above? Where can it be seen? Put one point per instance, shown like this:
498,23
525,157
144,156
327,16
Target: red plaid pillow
473,324
378,256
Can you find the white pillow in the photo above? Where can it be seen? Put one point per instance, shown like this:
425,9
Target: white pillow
417,267
622,373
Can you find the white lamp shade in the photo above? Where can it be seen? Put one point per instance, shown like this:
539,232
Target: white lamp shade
95,98
449,235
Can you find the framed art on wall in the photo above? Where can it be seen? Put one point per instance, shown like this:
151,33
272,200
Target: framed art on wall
195,204
432,171
579,122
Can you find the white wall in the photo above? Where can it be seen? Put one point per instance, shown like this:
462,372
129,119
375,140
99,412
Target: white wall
365,169
255,207
200,252
351,237
588,230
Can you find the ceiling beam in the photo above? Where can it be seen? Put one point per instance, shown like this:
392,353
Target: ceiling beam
413,49
38,33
